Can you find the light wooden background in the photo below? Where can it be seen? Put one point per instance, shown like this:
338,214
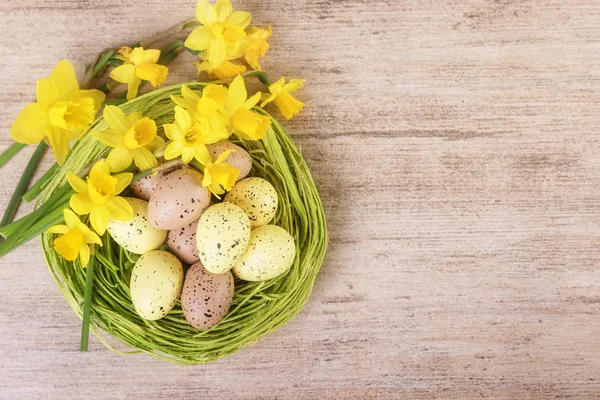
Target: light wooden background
455,144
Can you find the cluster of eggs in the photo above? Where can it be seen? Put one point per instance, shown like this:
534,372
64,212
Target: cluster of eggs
217,240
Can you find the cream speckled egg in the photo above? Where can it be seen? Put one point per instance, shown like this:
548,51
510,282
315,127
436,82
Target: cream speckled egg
137,235
206,297
182,243
145,187
222,236
270,253
257,197
156,282
179,200
239,159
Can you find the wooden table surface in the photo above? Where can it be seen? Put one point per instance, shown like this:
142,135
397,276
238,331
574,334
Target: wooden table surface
455,145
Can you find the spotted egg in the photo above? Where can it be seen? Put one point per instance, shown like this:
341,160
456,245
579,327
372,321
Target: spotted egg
206,297
222,236
179,200
270,253
136,235
257,197
156,282
182,243
145,187
239,159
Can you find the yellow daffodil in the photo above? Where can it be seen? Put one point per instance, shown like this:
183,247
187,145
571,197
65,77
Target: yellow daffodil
224,71
219,176
246,123
139,65
189,138
256,45
280,94
213,98
75,238
61,113
98,196
133,138
222,32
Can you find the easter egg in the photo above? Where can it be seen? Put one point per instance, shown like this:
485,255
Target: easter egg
182,243
239,159
136,235
145,187
270,253
156,282
179,200
222,236
206,297
257,197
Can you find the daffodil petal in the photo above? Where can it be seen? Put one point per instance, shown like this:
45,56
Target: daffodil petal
183,118
223,9
187,154
252,101
119,158
132,88
77,183
94,94
223,156
63,76
89,236
123,180
173,150
119,209
144,159
123,73
293,85
115,119
81,204
84,255
205,13
71,218
216,52
202,154
101,167
59,141
110,137
241,19
267,99
61,229
277,86
31,126
99,218
199,39
237,91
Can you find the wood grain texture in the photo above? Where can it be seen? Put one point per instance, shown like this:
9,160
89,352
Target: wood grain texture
455,144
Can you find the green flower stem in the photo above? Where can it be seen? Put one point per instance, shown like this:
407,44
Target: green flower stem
39,185
168,33
15,200
87,300
11,152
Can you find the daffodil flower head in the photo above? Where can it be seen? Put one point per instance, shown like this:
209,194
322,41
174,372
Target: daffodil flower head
222,34
99,196
226,70
280,94
213,98
75,238
139,65
133,138
61,113
246,123
189,138
219,176
257,46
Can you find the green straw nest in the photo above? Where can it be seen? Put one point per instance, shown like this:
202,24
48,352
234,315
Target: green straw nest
258,307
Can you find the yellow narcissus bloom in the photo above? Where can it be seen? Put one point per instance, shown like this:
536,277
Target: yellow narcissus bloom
256,45
75,238
224,71
98,196
213,98
139,65
189,138
280,94
222,32
133,138
219,176
61,113
246,123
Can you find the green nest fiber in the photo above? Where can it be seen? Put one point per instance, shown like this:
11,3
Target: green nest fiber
258,307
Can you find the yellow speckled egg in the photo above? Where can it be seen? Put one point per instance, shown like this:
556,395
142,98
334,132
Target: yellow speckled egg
156,282
137,235
270,253
257,197
179,200
239,159
222,236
